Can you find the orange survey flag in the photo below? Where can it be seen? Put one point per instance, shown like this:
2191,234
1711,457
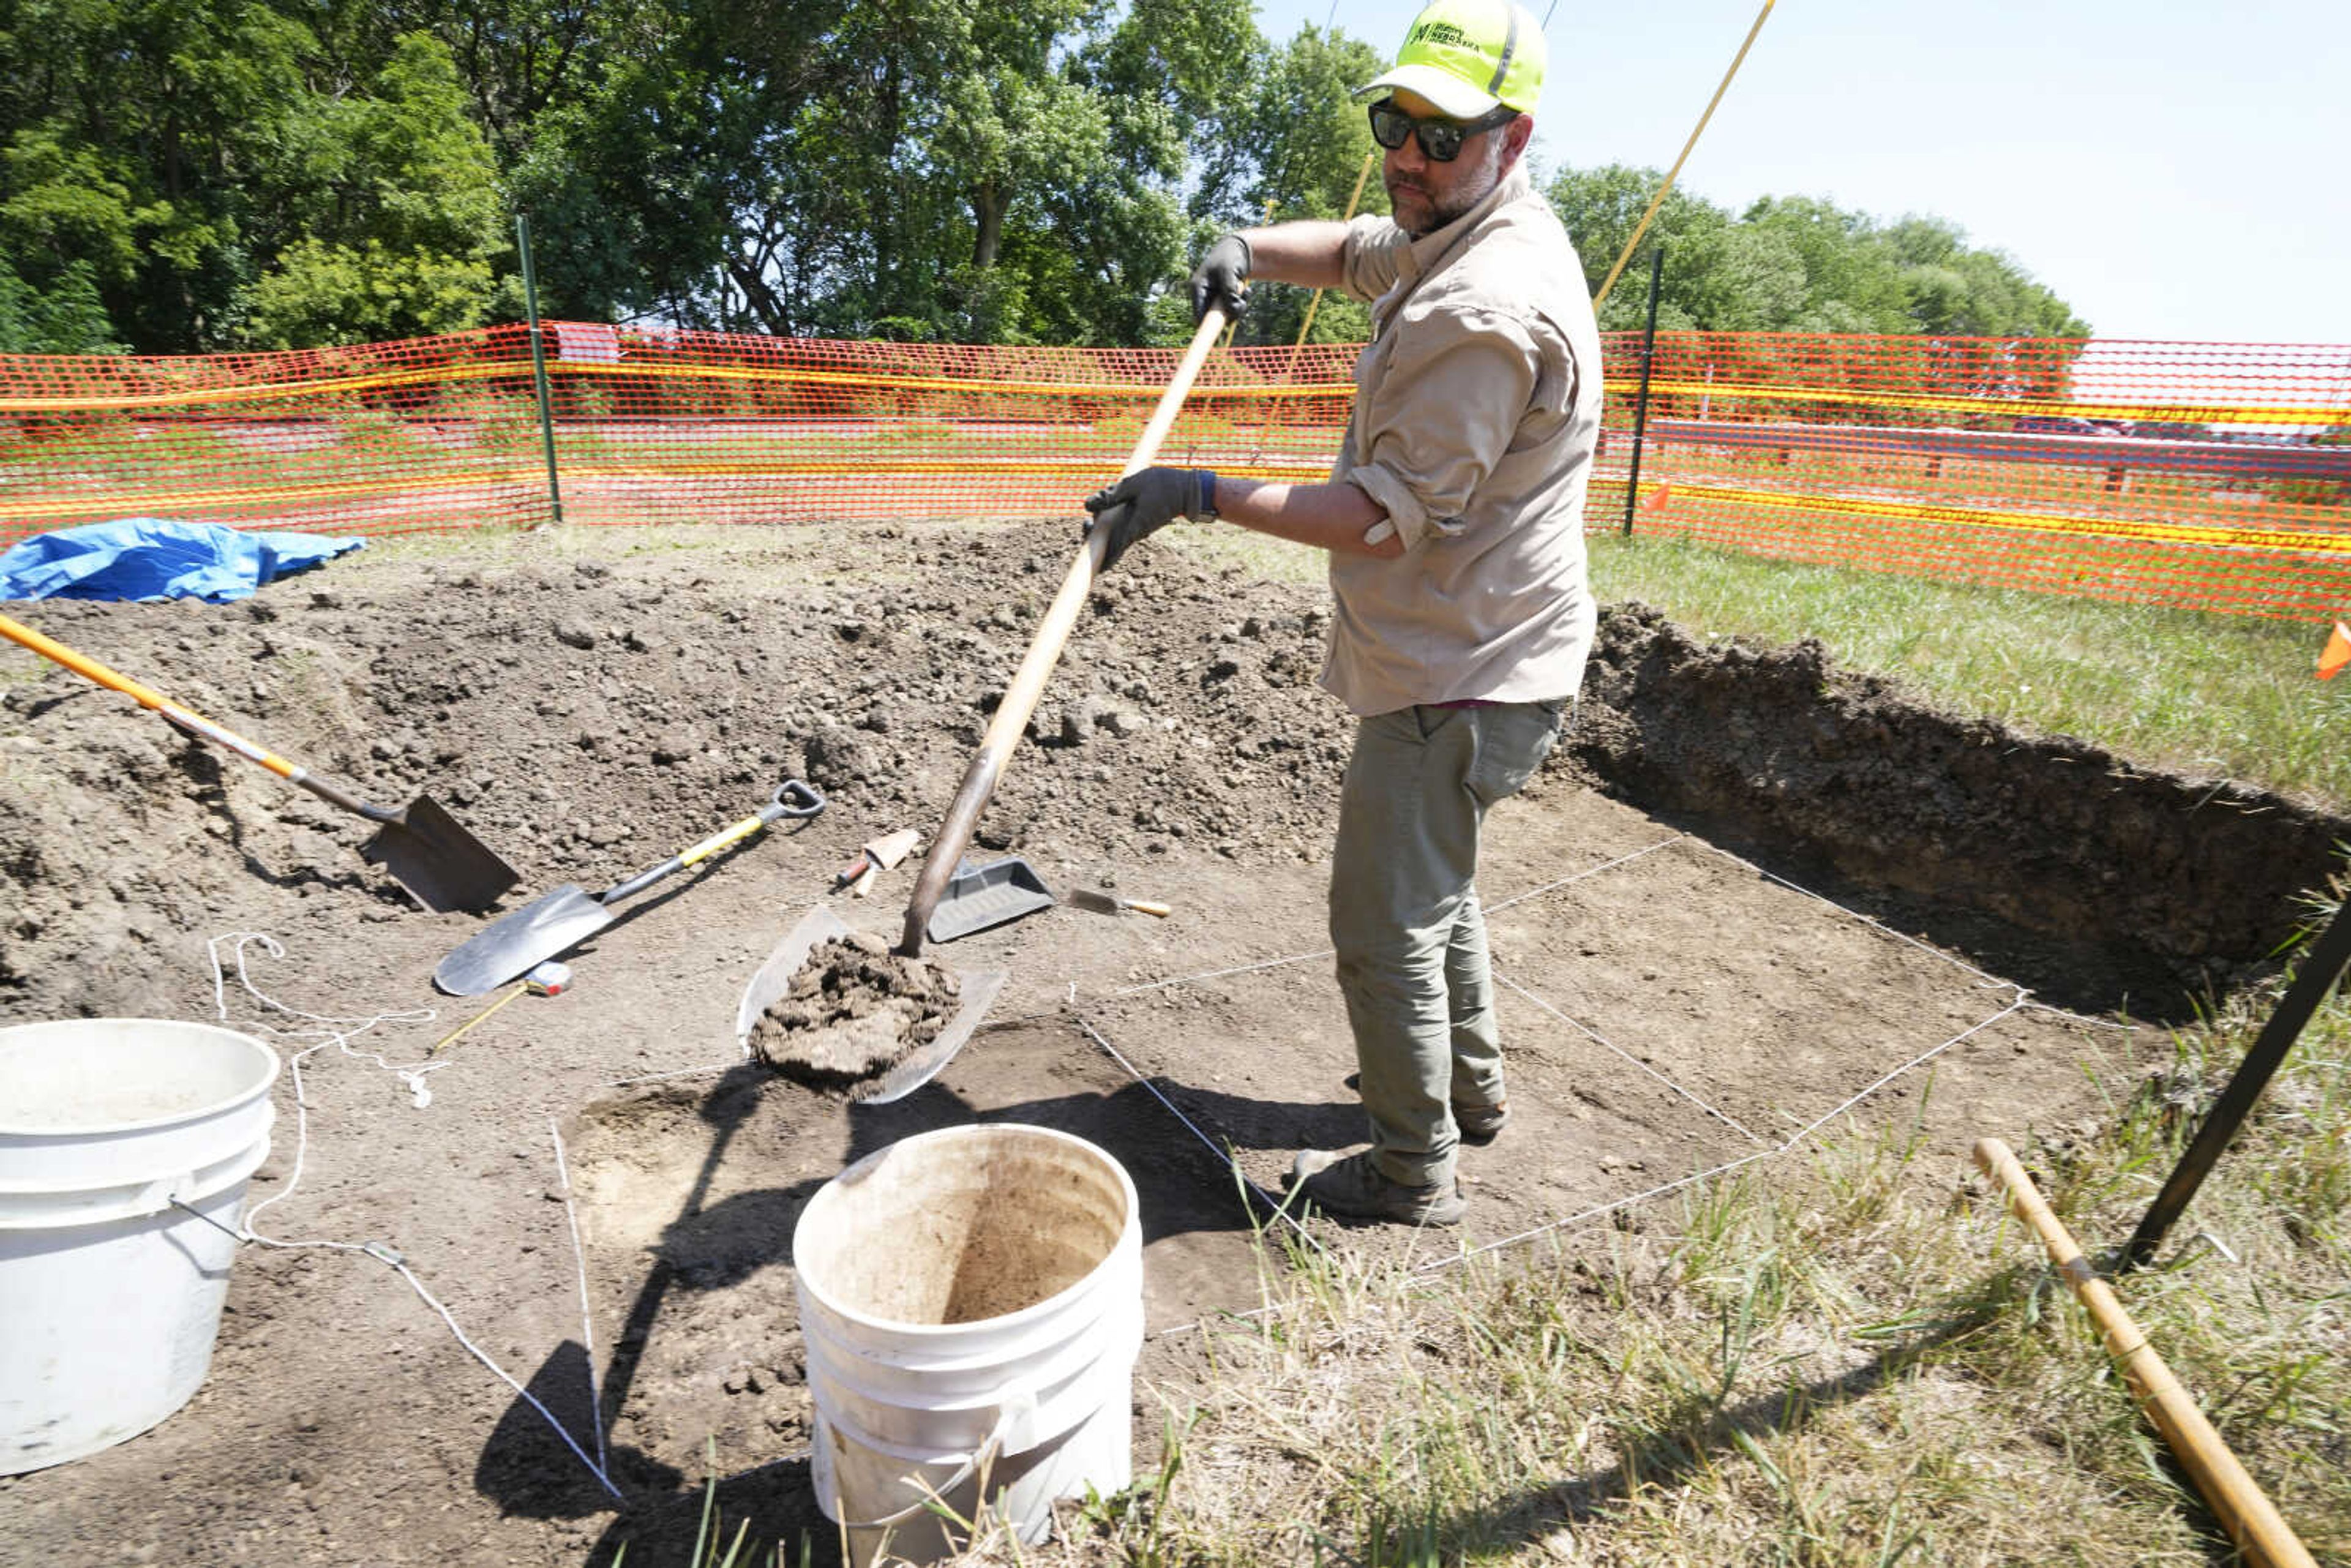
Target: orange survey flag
2338,654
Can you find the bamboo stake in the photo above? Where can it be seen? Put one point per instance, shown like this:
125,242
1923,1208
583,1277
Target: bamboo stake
1674,173
2252,1521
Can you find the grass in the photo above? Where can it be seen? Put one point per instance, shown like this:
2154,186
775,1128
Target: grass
2216,696
1856,1361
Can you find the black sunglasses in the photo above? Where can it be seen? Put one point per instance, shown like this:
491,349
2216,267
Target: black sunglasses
1441,139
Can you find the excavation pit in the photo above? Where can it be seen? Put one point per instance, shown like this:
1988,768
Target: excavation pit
1674,996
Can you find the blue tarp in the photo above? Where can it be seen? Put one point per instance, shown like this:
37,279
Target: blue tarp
148,559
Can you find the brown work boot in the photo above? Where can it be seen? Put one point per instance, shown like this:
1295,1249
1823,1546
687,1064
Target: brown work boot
1482,1125
1351,1187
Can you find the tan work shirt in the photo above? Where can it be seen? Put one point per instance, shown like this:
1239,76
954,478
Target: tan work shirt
1477,416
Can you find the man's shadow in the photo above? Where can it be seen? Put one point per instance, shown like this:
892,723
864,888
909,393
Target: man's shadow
530,1471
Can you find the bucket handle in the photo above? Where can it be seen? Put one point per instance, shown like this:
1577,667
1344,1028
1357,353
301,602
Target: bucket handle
982,1458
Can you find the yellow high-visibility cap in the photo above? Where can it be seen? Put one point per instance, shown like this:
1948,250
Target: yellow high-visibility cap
1467,56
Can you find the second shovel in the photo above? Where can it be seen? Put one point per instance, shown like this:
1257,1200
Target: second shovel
426,850
512,944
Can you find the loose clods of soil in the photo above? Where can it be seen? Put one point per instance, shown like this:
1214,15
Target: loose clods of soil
851,1012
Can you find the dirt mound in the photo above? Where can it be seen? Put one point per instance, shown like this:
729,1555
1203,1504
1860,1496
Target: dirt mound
588,717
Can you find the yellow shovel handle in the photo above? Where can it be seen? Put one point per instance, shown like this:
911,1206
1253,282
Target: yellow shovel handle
187,719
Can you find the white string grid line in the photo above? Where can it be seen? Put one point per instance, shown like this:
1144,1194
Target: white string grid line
587,1312
2019,999
339,1032
1723,1117
1279,1209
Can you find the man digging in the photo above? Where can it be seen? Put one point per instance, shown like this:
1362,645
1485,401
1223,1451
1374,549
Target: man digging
1454,519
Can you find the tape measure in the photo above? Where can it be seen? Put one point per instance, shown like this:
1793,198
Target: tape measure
549,980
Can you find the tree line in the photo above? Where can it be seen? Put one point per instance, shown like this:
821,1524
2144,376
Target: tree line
212,176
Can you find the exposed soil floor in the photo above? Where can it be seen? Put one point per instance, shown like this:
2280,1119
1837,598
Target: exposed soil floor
1677,994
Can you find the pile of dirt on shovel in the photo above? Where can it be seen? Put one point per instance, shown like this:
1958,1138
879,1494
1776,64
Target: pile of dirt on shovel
854,1011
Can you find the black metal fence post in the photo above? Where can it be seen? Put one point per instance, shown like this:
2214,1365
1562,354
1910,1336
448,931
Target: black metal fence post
2322,965
1641,408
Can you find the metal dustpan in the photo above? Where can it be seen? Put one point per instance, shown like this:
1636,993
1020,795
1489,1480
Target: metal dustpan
976,992
979,897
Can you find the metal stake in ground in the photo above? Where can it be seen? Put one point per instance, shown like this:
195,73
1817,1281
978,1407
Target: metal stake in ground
1004,731
2321,967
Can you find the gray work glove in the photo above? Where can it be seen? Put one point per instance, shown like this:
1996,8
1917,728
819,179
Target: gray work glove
1221,278
1142,504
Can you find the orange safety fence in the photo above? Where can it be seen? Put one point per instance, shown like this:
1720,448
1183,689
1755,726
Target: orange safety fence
2216,476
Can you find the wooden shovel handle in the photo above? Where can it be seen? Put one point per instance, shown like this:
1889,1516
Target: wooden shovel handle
2252,1521
1011,718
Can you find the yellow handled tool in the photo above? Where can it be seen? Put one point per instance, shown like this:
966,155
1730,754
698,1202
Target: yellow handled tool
2236,1500
441,864
563,919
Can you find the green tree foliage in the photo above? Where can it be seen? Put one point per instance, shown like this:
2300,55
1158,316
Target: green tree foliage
231,174
1795,265
133,136
390,217
68,318
1297,150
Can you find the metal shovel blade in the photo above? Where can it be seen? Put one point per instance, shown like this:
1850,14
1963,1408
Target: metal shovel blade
975,993
442,865
513,943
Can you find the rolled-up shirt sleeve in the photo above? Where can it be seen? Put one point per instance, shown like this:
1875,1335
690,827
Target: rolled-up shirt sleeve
1373,256
1449,406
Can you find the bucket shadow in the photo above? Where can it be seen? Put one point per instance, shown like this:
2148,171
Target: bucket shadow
529,1471
524,1467
1182,1185
775,1504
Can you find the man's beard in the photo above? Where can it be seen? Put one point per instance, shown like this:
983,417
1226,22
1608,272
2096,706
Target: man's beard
1463,197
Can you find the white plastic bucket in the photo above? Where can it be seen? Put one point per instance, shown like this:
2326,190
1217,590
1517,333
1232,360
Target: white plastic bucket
110,1296
971,1303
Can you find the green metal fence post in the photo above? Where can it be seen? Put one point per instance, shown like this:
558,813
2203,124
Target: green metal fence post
539,365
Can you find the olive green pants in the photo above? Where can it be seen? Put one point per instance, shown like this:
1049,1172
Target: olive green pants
1406,922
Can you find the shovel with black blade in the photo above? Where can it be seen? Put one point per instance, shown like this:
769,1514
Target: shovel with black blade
441,864
513,943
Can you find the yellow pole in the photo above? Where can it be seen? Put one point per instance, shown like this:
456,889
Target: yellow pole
2252,1521
1659,199
451,1037
1314,304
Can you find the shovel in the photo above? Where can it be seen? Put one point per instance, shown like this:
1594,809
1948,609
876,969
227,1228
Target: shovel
939,867
975,992
441,864
513,943
1004,731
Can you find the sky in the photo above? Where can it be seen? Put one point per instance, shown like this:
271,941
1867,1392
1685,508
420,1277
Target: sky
2173,171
